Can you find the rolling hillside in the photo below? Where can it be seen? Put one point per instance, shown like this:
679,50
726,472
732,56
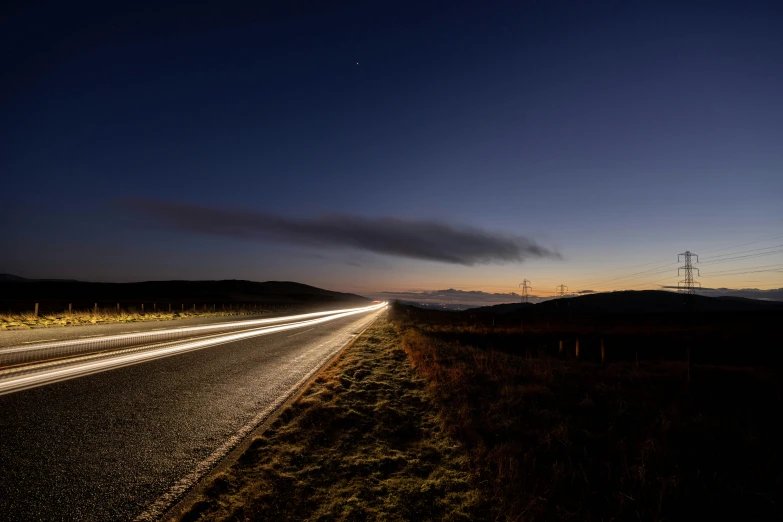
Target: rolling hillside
18,293
634,302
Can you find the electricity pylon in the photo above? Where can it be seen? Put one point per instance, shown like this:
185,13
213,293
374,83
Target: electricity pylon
561,290
525,290
688,285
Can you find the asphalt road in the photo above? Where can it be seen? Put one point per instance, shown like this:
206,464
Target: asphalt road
109,446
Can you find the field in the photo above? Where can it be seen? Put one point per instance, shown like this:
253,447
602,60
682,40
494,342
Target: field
111,315
436,417
551,436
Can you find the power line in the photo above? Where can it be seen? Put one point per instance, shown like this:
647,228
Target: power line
658,271
743,252
776,265
752,272
748,256
654,271
743,244
653,282
625,267
607,282
601,281
603,284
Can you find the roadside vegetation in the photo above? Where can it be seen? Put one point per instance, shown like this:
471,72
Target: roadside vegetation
10,321
552,437
429,419
362,443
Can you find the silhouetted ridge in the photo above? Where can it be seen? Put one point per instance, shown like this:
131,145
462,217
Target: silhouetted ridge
19,293
635,302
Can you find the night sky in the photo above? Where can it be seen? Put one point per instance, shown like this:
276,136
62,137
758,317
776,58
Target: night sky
392,146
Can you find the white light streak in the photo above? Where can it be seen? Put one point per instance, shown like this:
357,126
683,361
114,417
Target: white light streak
53,375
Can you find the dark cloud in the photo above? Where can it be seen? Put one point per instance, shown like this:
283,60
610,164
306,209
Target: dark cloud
581,292
417,239
773,294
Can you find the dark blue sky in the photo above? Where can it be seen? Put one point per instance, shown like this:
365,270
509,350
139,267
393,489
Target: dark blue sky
611,133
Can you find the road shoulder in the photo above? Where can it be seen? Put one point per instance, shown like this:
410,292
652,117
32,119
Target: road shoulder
361,442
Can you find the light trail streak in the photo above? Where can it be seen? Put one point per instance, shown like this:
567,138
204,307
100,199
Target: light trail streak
82,369
140,337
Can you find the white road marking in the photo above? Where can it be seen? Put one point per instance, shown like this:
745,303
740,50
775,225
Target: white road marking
300,333
86,336
39,341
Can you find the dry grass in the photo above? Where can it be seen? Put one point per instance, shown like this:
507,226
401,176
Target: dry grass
414,424
363,443
564,439
104,316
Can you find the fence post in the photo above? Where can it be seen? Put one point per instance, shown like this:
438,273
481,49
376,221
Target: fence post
36,310
142,307
118,307
183,307
688,355
95,309
154,307
169,307
560,349
69,308
194,307
603,352
577,347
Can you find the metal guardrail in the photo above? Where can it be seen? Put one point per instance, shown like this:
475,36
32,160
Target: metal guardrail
20,355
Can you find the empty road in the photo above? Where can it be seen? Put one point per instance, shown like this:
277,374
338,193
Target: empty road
124,443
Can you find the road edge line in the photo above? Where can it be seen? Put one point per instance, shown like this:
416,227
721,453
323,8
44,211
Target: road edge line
180,507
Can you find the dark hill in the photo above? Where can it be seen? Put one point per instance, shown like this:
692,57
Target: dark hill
7,278
20,295
505,308
635,302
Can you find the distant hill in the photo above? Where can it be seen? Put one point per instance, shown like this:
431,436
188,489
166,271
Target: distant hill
16,279
504,308
19,293
11,278
435,306
635,302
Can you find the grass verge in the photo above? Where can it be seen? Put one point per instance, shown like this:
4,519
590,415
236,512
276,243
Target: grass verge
362,443
550,438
